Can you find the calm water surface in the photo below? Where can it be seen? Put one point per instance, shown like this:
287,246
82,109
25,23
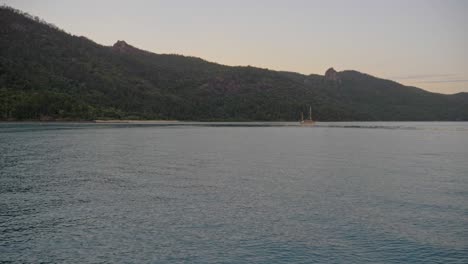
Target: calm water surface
262,193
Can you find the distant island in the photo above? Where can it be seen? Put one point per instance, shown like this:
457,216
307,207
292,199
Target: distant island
48,74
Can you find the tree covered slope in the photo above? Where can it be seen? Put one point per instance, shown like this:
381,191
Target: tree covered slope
48,74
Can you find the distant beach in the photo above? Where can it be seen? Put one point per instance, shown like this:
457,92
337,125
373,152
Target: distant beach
118,121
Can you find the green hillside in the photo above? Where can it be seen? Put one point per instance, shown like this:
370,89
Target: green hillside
48,74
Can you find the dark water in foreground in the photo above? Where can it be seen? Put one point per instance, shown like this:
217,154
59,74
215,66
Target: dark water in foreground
336,193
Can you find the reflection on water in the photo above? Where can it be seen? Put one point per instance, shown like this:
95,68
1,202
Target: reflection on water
383,192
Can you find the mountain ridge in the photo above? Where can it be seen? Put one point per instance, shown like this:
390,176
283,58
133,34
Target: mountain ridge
48,74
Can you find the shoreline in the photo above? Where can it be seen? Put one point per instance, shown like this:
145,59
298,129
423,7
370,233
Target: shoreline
116,121
129,121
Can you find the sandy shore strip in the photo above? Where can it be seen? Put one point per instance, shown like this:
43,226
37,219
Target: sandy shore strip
117,121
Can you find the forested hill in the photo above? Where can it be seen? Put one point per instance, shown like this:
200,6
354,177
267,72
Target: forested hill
48,74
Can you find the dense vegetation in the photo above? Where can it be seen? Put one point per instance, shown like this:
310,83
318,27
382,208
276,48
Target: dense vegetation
48,74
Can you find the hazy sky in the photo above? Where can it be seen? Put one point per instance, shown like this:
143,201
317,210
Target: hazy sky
420,43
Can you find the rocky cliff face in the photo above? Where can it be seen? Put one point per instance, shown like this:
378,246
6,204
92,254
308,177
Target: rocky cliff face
123,47
331,75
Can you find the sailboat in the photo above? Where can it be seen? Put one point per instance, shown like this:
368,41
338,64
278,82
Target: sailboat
308,122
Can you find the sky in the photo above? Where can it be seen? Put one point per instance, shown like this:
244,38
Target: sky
418,43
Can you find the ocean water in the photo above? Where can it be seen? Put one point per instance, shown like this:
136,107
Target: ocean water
234,193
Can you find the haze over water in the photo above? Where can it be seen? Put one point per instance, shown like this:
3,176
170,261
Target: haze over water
270,193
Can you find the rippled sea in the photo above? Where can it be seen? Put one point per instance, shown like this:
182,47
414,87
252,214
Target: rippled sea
234,193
